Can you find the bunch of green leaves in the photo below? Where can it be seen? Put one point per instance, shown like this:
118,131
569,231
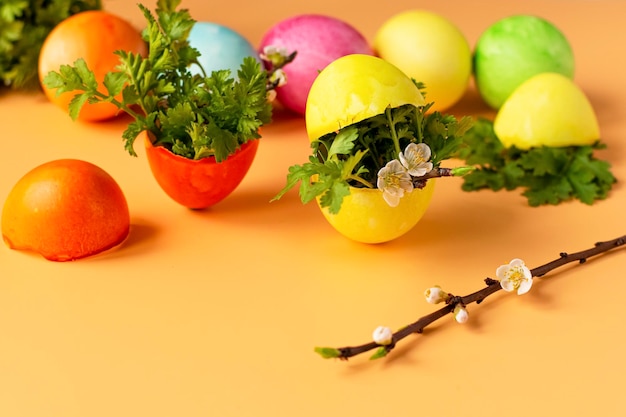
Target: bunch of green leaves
548,175
353,155
194,115
24,25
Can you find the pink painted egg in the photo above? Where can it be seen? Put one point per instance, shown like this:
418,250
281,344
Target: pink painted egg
318,40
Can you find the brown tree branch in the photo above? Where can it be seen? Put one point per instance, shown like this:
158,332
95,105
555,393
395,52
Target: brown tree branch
437,172
477,297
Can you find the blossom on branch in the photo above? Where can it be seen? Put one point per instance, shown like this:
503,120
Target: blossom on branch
515,276
415,159
393,181
274,54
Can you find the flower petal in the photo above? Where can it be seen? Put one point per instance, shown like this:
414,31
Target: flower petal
524,286
421,170
391,199
415,159
424,149
501,271
507,285
403,160
516,262
394,181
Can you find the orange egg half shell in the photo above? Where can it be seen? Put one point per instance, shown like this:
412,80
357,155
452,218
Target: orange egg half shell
65,209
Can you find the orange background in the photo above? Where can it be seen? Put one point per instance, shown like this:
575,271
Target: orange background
217,312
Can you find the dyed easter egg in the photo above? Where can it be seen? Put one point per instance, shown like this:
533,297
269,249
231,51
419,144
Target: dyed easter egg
318,40
514,49
430,49
354,88
220,48
548,109
94,36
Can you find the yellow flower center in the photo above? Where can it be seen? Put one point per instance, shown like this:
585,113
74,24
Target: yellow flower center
419,157
393,180
516,275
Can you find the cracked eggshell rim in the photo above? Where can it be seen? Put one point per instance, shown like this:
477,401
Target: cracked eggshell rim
354,88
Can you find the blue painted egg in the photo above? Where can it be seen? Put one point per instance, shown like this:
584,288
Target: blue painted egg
220,48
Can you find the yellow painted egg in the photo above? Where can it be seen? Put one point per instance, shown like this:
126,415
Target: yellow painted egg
367,218
354,88
548,109
430,49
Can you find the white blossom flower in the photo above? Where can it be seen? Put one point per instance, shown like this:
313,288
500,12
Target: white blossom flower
393,181
274,54
278,77
460,314
415,159
435,295
515,277
382,335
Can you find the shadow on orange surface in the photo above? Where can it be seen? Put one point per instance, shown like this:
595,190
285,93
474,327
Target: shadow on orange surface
138,241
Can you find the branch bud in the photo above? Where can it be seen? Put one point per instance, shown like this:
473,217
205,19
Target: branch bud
436,295
460,314
382,335
461,171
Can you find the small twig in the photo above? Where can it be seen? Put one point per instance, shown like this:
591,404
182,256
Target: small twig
420,182
477,297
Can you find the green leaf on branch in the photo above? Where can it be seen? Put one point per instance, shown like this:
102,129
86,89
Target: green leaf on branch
381,352
327,352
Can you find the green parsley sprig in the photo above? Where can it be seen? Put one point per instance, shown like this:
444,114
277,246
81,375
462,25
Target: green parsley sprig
548,175
352,156
193,115
24,25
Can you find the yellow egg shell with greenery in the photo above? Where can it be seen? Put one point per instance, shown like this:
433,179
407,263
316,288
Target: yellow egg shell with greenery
367,218
548,109
353,88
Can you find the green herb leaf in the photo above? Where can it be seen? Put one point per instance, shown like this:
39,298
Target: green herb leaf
131,133
354,155
548,175
194,116
24,25
76,104
343,142
114,83
334,195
